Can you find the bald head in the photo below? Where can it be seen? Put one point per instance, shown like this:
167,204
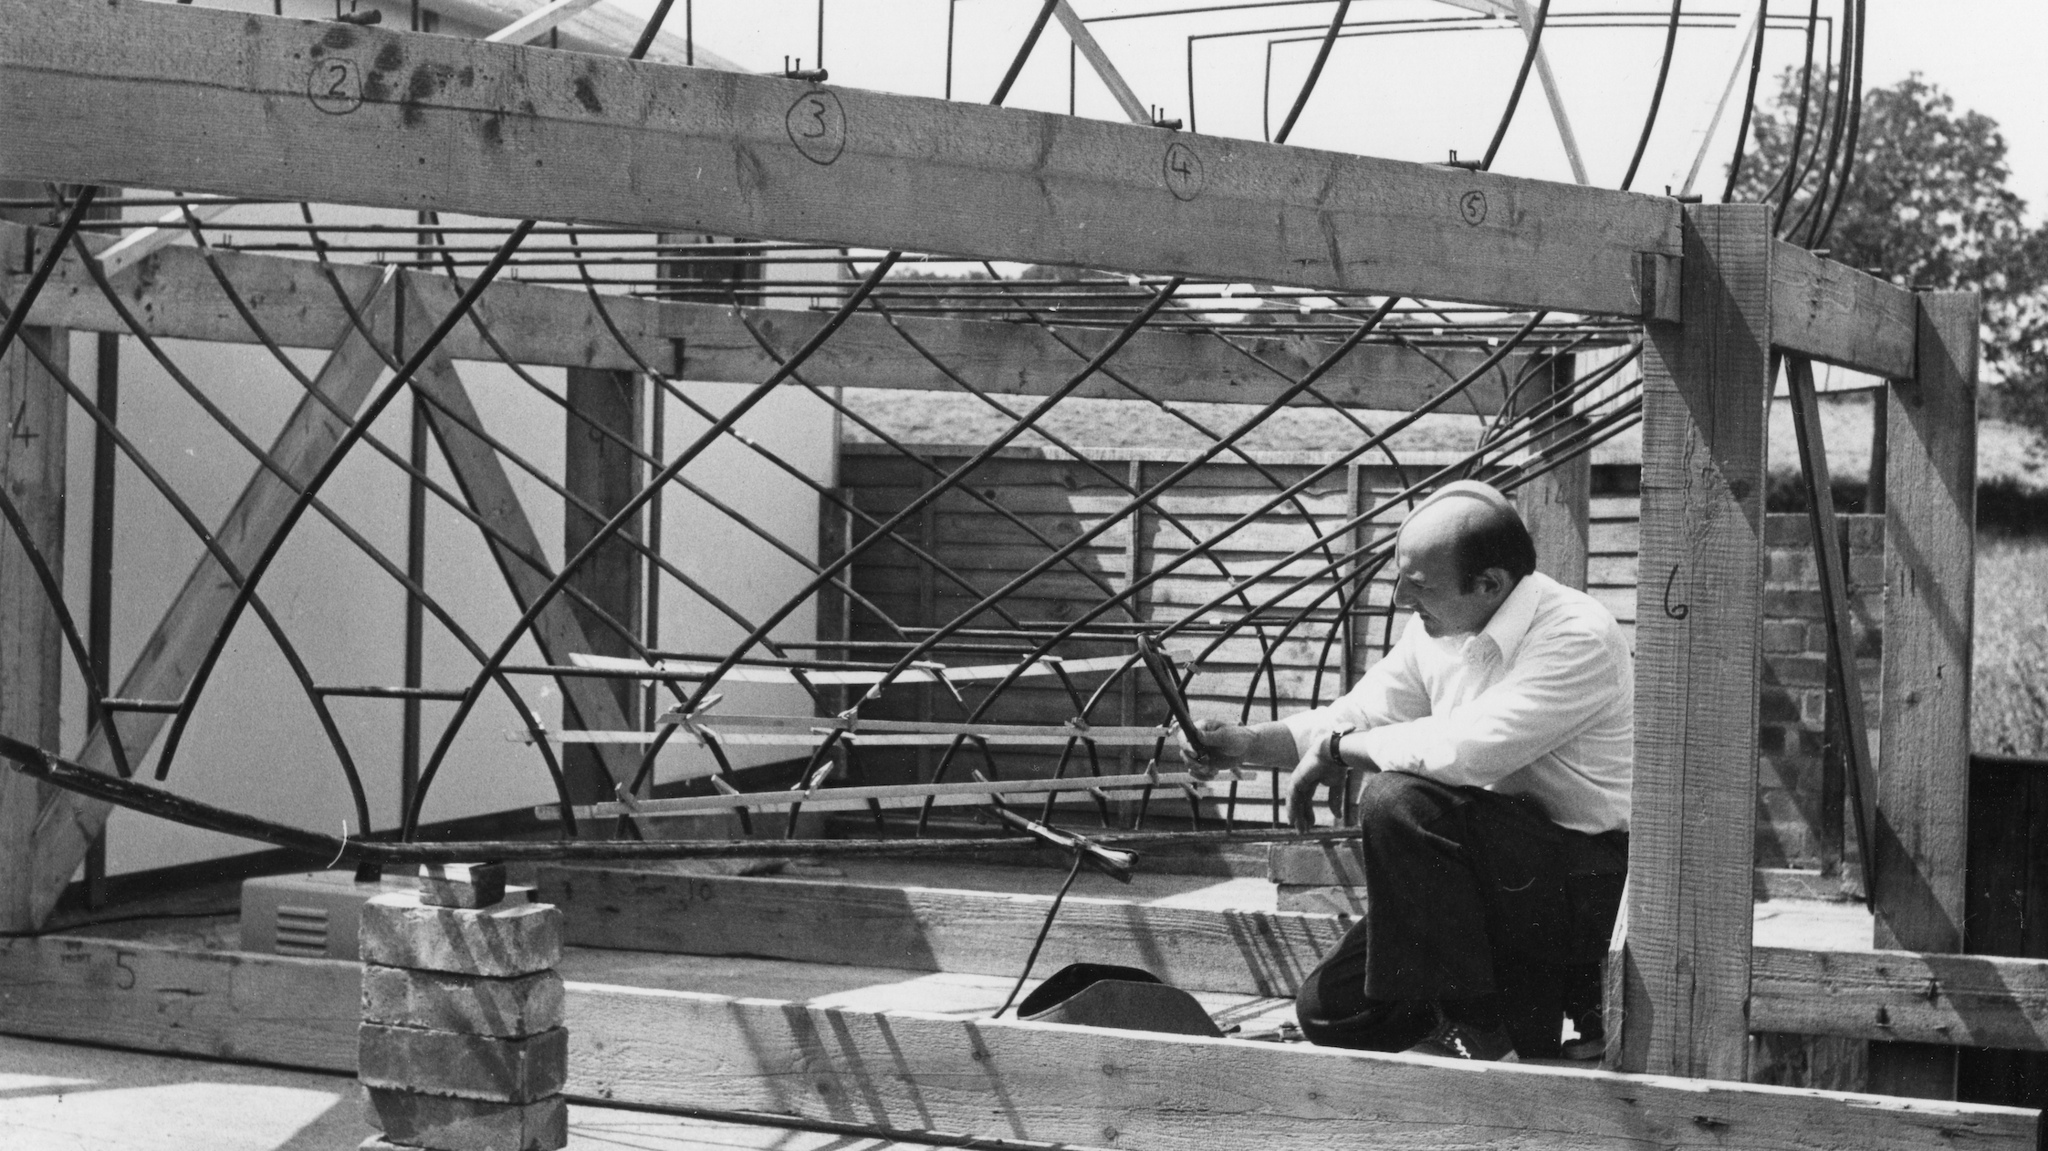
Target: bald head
1460,553
1476,527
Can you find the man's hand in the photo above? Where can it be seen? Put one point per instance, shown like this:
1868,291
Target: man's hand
1225,746
1312,772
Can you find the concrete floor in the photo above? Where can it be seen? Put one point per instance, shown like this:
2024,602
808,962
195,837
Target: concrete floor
70,1097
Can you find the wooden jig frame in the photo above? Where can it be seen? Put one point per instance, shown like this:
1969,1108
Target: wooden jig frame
501,130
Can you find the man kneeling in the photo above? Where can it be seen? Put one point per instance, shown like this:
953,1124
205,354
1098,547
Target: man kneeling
1497,742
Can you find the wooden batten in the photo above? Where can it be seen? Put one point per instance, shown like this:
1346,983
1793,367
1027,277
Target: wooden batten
1838,315
908,1071
320,111
1685,975
175,295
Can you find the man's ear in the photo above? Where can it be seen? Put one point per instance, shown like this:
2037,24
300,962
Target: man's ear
1494,582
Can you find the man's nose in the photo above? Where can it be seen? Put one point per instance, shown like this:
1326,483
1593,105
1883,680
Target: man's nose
1404,595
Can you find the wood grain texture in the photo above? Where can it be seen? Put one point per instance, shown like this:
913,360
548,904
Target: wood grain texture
1042,1082
1838,315
165,664
1706,393
33,657
265,106
603,473
930,929
1555,505
174,294
155,997
488,490
1924,730
1903,996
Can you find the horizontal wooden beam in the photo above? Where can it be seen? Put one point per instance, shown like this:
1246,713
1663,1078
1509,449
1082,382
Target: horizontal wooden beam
263,106
929,929
1904,996
175,295
1838,315
907,1071
1106,1088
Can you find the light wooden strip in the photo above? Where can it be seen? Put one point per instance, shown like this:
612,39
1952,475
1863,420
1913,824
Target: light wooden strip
1706,396
748,674
1738,59
1134,109
1553,95
1838,315
178,297
258,105
813,738
1923,793
912,794
168,660
605,30
489,492
135,246
930,929
538,21
903,1070
1081,1086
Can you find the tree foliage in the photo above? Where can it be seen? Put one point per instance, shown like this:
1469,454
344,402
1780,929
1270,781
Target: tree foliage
1926,204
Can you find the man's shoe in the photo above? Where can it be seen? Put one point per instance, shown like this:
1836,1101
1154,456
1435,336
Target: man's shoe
1455,1040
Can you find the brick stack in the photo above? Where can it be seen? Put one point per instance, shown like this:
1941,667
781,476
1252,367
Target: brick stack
462,1044
1795,817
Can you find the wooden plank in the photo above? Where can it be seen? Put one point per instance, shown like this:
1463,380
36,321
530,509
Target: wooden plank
154,997
539,22
1924,728
1706,396
164,667
930,929
175,295
558,630
1047,1083
1838,315
33,657
258,105
1555,505
1905,998
606,30
902,1070
604,474
1316,865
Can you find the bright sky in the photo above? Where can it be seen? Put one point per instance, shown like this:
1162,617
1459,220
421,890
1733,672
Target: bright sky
1414,96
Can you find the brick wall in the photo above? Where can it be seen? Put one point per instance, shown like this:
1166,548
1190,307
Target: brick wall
1799,792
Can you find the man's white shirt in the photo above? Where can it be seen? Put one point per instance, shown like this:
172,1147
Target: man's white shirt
1540,702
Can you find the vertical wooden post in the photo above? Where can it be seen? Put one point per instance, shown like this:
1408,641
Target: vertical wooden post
1924,732
1557,504
31,646
604,475
1684,986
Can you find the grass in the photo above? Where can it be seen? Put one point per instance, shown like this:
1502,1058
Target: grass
2009,688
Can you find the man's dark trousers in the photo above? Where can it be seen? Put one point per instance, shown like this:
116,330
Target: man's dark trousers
1469,893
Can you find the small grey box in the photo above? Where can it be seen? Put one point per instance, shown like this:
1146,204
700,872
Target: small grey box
316,913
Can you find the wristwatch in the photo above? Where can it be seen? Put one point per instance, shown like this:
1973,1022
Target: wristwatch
1331,752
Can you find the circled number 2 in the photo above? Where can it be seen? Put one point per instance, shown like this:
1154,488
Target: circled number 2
335,85
817,126
1472,206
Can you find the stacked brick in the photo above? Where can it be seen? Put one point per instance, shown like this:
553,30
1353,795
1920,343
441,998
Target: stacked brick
1799,817
462,1045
